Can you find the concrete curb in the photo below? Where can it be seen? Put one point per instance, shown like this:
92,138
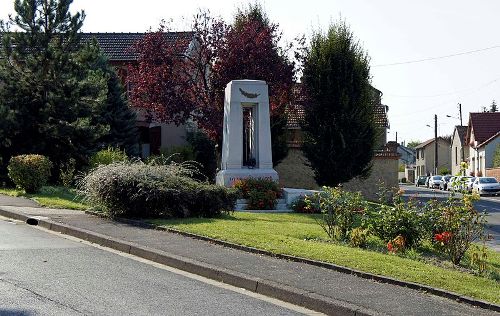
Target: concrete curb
331,266
285,293
282,292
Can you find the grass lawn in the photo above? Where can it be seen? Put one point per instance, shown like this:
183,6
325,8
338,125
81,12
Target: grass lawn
52,197
300,235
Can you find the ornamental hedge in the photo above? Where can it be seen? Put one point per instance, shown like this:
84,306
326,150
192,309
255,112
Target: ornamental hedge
136,189
29,172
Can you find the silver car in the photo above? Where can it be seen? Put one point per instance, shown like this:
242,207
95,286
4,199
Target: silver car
435,181
486,185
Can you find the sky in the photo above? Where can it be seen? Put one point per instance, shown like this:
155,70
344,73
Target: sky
391,31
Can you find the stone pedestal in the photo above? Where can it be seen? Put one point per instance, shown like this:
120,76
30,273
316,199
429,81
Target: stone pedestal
246,144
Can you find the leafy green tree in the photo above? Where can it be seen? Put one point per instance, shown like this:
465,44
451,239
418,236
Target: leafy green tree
48,92
339,129
496,157
413,144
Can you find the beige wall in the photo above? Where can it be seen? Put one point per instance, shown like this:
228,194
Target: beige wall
293,173
425,165
384,172
456,154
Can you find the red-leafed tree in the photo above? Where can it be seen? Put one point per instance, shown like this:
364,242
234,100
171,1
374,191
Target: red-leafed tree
160,77
173,83
250,51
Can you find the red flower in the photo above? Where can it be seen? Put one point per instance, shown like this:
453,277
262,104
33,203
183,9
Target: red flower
390,247
443,238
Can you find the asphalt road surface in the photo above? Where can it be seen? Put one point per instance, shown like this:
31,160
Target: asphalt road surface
43,273
490,204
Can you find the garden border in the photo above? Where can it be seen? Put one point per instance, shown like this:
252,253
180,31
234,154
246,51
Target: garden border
375,277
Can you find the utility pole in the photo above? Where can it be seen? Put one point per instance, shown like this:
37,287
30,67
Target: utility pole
396,137
460,111
435,144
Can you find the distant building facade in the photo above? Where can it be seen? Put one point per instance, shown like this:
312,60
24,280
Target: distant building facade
459,149
426,156
483,136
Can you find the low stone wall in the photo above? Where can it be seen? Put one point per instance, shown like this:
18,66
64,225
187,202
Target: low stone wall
384,170
493,172
293,173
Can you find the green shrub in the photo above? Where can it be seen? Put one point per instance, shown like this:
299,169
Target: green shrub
444,171
358,236
261,200
67,173
204,153
107,156
261,194
339,211
457,225
402,219
135,189
29,172
306,204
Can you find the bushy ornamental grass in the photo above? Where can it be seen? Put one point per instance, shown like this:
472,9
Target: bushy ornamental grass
107,156
29,172
135,189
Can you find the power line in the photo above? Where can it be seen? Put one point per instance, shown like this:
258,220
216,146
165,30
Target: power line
467,91
438,57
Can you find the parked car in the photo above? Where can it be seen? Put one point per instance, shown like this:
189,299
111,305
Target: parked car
421,181
427,181
486,185
468,184
435,181
459,183
450,184
444,182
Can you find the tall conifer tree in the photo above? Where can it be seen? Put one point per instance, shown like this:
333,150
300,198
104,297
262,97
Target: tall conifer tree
48,93
339,130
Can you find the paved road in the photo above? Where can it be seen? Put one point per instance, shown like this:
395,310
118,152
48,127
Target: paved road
42,273
490,204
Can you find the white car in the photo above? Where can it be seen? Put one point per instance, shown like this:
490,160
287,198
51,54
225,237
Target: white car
486,185
435,181
468,184
459,183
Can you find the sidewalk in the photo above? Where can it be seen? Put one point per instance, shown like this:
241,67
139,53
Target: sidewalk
299,283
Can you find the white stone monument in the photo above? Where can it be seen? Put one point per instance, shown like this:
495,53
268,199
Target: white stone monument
246,143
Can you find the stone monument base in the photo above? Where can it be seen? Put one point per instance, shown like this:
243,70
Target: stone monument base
228,176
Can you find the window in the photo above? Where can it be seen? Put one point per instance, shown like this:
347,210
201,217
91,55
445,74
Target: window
456,155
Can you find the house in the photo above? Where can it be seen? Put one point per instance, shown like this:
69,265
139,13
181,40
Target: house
408,155
118,48
459,149
482,138
425,161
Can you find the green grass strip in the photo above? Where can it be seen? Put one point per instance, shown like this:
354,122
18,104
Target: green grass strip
299,235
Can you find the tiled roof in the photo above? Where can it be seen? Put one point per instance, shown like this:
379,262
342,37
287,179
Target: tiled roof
380,115
495,136
462,131
428,142
484,125
296,115
119,46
